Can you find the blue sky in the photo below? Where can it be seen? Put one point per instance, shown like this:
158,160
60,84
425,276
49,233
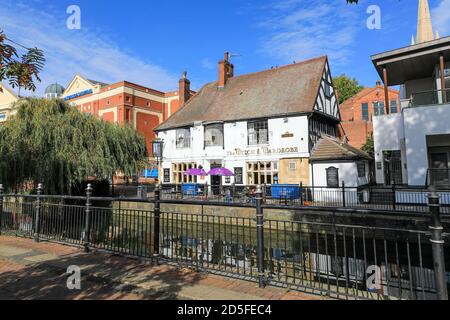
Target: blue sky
152,42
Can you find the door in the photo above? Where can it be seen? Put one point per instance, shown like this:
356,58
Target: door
439,173
393,167
216,181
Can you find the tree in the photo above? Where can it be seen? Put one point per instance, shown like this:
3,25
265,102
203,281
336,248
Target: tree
346,87
369,147
23,71
49,142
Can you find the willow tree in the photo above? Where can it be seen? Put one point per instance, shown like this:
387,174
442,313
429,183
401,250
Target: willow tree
49,142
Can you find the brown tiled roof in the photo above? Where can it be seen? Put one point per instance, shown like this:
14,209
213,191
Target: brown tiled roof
330,148
276,92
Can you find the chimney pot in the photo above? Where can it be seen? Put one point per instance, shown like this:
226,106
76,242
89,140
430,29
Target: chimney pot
226,70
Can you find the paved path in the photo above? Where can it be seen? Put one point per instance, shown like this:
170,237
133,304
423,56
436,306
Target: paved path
30,270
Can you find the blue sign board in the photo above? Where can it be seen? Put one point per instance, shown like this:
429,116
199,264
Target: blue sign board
153,173
79,94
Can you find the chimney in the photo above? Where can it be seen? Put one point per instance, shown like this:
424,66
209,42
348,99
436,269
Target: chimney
378,83
184,89
226,70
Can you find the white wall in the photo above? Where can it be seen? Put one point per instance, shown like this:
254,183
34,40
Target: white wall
387,134
348,173
420,122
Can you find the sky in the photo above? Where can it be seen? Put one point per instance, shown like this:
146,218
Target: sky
152,42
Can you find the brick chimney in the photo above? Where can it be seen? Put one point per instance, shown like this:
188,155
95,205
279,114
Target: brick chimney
184,89
226,70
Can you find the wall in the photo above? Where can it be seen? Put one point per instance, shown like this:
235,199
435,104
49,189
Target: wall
420,122
388,131
348,173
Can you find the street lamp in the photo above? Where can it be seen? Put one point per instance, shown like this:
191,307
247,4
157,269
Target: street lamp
157,148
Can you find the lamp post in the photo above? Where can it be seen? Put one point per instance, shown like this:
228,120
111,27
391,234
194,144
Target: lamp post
157,147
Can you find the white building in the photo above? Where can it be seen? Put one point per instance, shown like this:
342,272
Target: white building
264,126
7,99
413,147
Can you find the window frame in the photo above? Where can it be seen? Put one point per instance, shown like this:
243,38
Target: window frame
365,104
236,175
258,126
185,145
212,126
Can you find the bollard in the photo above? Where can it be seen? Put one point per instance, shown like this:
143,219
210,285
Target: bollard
1,207
37,213
260,237
437,243
87,211
157,212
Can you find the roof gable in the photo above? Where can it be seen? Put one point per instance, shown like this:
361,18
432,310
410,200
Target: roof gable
283,91
330,148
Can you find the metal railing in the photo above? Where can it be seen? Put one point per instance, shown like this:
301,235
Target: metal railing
337,260
395,198
432,97
439,178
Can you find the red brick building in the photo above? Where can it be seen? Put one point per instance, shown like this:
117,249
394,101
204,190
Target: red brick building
357,113
125,102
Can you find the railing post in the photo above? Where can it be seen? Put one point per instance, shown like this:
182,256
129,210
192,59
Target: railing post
87,211
1,207
394,199
343,194
301,193
437,243
37,213
157,213
260,237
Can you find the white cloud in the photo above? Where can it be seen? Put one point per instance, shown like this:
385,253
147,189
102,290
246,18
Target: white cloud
78,51
441,18
299,30
208,64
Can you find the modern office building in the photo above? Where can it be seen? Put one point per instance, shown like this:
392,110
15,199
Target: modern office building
413,147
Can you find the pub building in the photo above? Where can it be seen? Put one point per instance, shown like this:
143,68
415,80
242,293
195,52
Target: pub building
278,126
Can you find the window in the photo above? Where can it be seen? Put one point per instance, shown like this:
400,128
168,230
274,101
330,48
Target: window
292,166
183,138
394,108
214,135
333,177
378,108
365,111
238,176
258,132
262,172
167,175
227,180
361,169
327,90
178,170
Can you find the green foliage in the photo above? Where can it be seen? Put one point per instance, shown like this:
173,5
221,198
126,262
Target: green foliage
346,87
21,72
51,143
369,147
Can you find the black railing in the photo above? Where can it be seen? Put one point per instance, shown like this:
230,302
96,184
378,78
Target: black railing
432,97
439,178
395,198
337,260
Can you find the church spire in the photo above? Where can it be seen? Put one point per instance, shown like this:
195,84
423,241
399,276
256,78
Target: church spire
424,26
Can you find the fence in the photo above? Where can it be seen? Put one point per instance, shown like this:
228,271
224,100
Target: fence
394,198
336,260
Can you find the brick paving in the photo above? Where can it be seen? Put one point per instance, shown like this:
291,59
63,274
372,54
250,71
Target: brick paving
30,270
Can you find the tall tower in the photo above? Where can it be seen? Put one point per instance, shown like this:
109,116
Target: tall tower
424,26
